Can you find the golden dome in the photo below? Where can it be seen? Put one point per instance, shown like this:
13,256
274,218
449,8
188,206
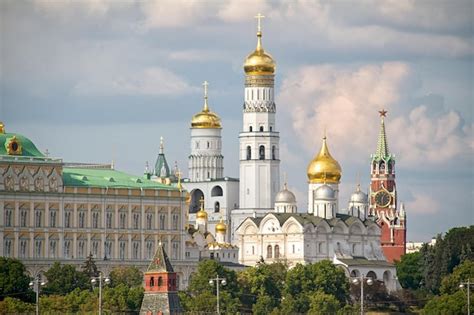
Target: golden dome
259,62
221,227
201,214
324,168
206,118
2,127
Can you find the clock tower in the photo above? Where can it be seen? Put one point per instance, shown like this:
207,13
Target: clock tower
383,199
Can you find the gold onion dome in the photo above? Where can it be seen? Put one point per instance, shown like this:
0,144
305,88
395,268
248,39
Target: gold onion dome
259,62
324,168
221,227
201,214
206,118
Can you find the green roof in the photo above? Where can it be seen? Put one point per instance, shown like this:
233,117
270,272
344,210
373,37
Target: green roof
93,177
27,146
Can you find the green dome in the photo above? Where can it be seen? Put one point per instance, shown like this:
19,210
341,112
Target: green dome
14,144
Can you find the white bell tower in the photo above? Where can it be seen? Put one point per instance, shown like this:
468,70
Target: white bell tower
259,139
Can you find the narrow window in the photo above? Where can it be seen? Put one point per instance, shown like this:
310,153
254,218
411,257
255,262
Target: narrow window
249,152
261,152
250,128
277,251
261,128
269,251
273,153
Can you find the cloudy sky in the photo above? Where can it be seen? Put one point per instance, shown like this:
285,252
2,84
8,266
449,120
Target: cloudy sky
97,80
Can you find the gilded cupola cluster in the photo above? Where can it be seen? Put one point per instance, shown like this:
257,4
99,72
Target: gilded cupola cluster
206,118
259,62
324,168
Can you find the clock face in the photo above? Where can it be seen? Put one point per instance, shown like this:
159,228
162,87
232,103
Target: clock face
382,198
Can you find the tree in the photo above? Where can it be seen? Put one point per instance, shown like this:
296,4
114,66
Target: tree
263,280
63,279
464,271
264,305
303,281
121,298
89,267
410,270
13,280
322,303
201,297
15,306
130,276
447,304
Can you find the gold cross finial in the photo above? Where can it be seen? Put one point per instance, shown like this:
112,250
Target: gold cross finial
180,187
206,106
201,201
285,184
259,18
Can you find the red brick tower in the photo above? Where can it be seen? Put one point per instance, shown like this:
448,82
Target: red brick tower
161,297
383,199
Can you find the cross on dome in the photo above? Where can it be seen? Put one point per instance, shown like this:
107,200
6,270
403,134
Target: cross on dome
259,18
206,106
201,201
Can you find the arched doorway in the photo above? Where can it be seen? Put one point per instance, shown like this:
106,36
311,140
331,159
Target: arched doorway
195,204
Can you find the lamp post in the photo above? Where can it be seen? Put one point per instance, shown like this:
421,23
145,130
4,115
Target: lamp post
36,284
94,281
218,281
467,284
360,280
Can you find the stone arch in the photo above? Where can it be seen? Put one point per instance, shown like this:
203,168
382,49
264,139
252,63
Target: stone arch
355,273
196,196
261,152
217,191
387,277
371,274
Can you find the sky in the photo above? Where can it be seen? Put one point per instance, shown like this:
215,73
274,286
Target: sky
102,80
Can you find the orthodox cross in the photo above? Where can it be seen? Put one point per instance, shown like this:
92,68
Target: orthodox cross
259,18
201,201
161,145
205,84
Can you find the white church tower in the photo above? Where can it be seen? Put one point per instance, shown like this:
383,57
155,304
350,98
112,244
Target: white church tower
259,140
206,160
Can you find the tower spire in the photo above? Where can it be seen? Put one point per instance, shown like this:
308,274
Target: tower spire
382,146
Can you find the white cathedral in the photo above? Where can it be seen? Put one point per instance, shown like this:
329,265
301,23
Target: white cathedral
264,222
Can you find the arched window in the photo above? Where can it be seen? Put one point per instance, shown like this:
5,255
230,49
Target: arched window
261,152
152,282
372,275
249,152
277,251
217,191
269,251
271,128
217,206
273,153
160,281
261,128
250,128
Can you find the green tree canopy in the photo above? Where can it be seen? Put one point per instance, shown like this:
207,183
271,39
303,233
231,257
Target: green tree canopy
322,303
63,279
14,281
447,304
89,267
128,275
463,272
410,270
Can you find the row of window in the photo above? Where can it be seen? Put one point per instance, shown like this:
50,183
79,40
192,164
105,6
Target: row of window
39,248
261,153
261,129
209,145
82,215
265,94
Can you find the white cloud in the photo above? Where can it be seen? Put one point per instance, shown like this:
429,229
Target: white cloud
345,102
242,10
422,204
151,81
172,13
198,55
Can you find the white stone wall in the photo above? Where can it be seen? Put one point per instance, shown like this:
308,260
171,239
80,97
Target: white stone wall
206,160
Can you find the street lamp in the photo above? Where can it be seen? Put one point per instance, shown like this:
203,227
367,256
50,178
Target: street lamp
94,281
218,281
467,284
360,280
36,284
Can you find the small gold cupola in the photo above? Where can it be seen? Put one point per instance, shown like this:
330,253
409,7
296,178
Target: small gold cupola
201,214
221,227
259,62
2,127
206,118
324,168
